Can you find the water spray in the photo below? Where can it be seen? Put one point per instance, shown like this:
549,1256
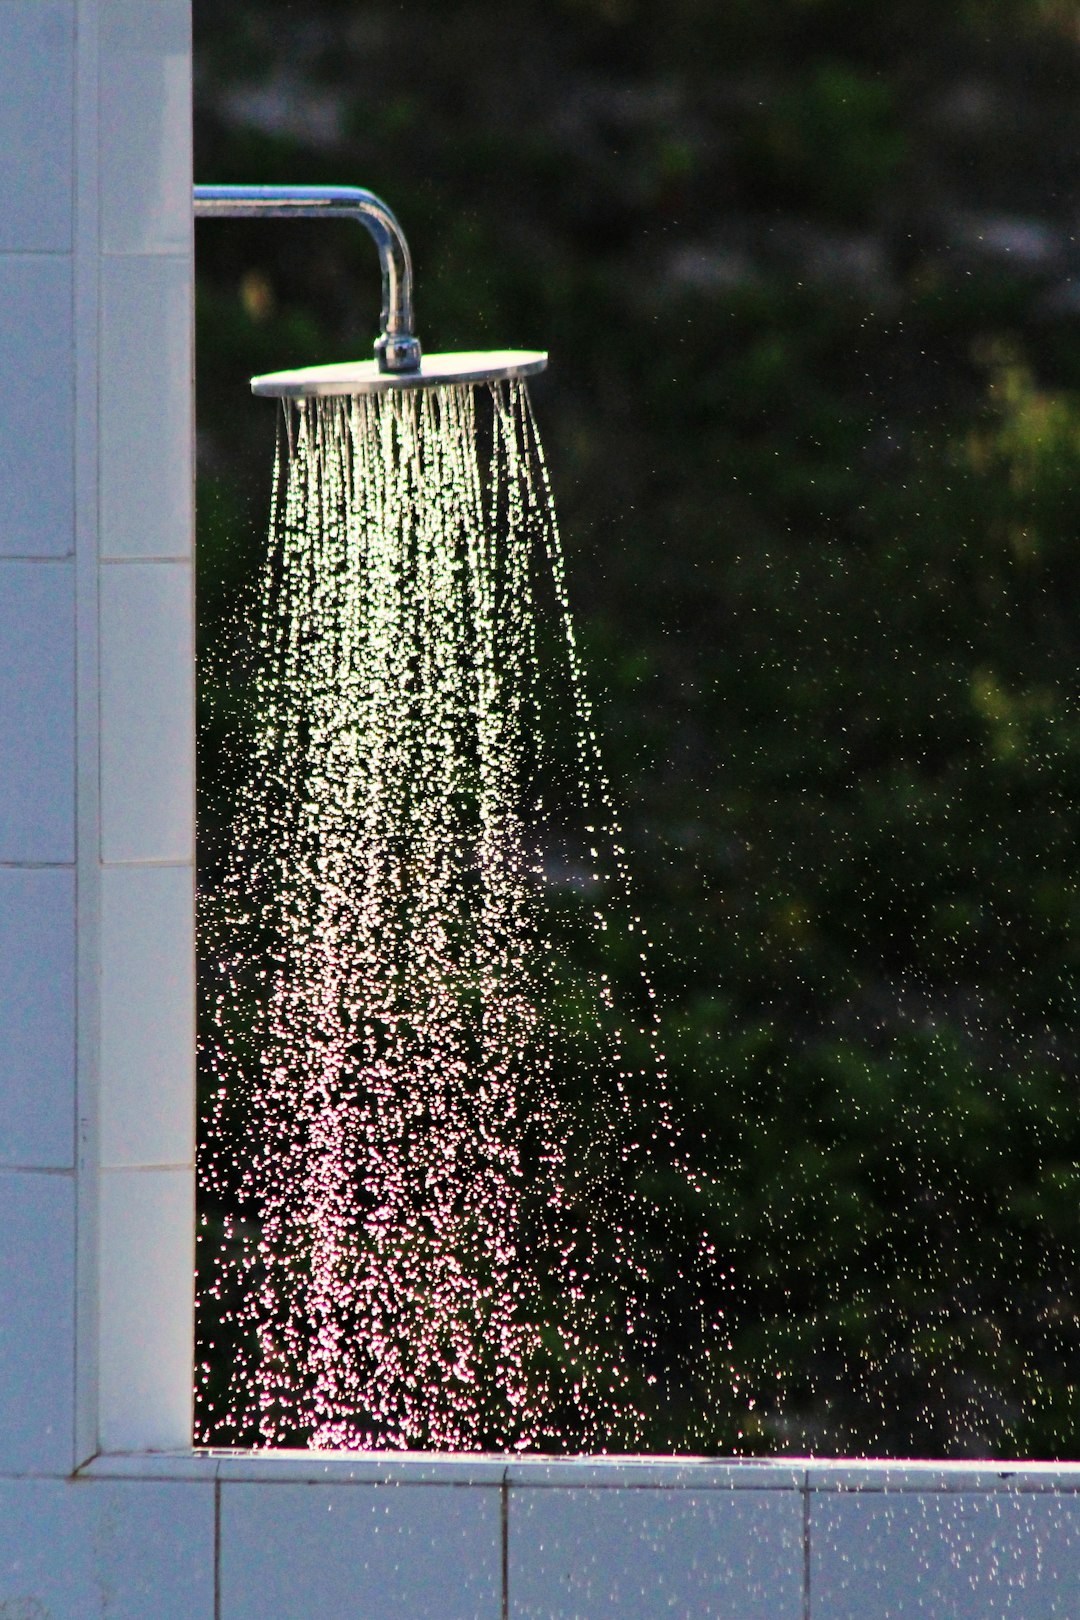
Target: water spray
415,1231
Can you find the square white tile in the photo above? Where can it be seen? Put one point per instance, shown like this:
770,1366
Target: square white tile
37,113
37,1323
37,711
146,126
147,712
146,407
148,1015
965,1555
344,1551
37,1016
37,402
145,1352
70,1550
589,1554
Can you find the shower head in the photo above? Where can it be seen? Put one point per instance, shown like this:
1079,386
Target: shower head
398,363
365,377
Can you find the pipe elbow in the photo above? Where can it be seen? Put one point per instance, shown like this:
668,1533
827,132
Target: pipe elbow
397,348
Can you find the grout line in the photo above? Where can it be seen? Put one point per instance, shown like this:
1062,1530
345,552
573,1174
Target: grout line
153,560
154,863
34,253
37,866
138,1169
101,1470
147,253
324,1475
37,1170
661,1488
217,1549
504,1505
47,561
86,310
806,1546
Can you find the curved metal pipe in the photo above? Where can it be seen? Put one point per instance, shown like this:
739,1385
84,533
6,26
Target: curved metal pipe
396,348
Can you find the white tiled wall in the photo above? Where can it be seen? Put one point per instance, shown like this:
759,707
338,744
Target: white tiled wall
37,712
37,1016
145,1097
147,1235
37,738
96,729
329,1537
146,406
146,127
129,1551
37,488
147,1024
37,42
147,721
640,1552
962,1554
37,1321
395,1551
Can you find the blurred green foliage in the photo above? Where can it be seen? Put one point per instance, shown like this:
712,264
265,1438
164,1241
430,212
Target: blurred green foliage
809,279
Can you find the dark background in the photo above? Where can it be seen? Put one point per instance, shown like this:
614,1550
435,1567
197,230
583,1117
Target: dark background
809,277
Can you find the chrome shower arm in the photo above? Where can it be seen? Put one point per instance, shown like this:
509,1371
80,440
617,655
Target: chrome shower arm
396,348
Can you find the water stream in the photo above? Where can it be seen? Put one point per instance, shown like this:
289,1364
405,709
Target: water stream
437,1120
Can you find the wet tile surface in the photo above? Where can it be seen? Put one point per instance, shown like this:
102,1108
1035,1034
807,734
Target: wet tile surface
37,1016
131,1551
395,1552
37,406
147,713
957,1555
37,1322
37,712
146,406
145,125
37,40
591,1554
147,1249
147,1015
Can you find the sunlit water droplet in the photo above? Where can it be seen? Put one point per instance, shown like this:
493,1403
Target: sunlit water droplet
427,1105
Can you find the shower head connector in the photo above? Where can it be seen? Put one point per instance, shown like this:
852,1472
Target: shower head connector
366,377
397,348
398,361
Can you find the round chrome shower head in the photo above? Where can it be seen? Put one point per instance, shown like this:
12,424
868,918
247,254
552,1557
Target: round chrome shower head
365,377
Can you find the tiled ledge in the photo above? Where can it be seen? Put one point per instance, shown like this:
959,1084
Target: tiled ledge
993,1475
613,1473
190,1535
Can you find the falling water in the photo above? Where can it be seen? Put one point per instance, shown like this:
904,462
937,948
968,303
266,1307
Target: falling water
437,1118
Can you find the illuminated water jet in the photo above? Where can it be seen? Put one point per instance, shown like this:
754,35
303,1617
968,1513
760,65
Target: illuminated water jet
431,1135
